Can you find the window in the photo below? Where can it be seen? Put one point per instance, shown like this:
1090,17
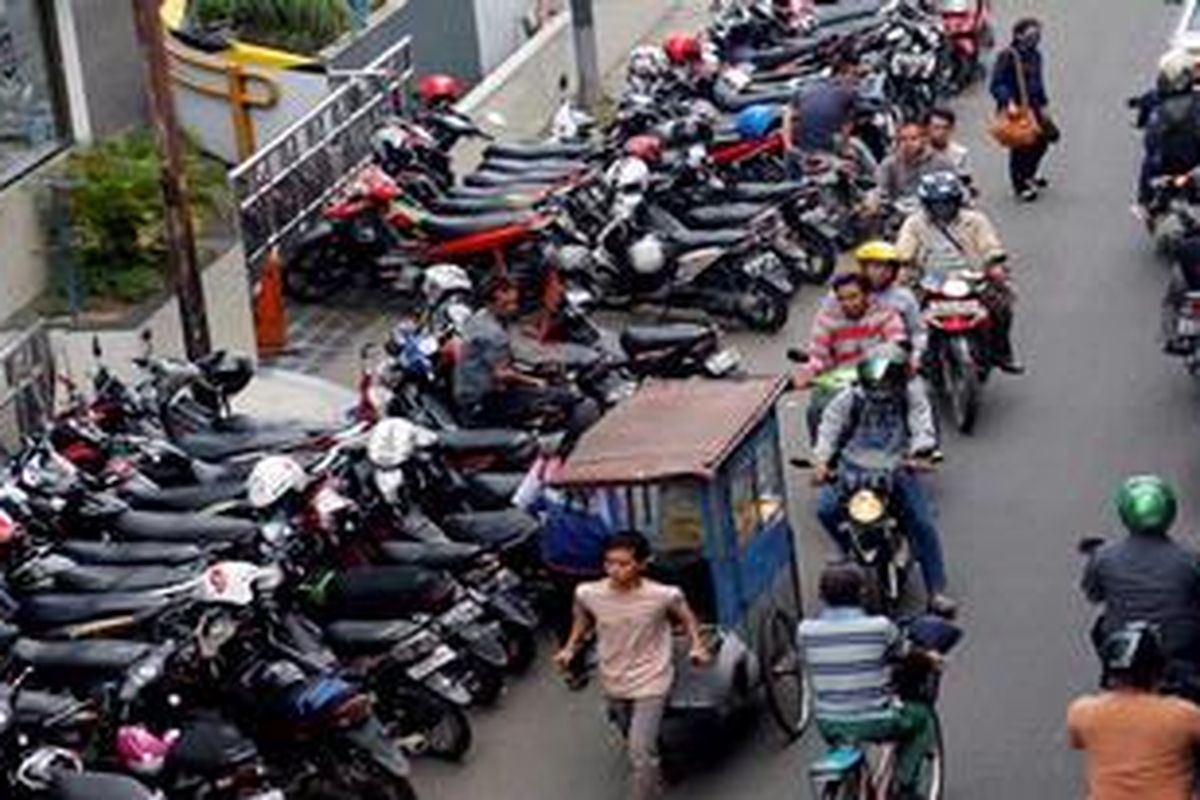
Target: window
31,124
756,492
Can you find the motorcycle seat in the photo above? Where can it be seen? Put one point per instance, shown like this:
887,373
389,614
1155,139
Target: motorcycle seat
499,485
637,339
716,237
209,747
530,192
451,227
368,636
129,553
537,150
387,591
222,472
97,786
505,528
473,440
479,205
724,215
518,166
168,527
435,555
105,578
513,180
184,498
33,706
752,190
220,445
49,610
98,655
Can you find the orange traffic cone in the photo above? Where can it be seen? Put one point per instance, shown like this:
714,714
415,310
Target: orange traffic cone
270,316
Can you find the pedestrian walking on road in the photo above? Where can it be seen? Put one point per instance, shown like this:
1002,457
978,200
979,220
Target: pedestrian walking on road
632,617
1018,81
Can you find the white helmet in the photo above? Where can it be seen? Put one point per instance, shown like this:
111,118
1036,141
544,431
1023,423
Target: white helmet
647,255
629,174
646,63
442,279
394,440
272,478
1176,72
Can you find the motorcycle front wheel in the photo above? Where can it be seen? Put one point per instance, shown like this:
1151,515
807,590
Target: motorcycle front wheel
810,256
316,272
425,724
960,381
363,781
763,310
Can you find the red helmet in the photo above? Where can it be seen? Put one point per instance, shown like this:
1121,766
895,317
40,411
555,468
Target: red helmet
682,48
436,89
647,148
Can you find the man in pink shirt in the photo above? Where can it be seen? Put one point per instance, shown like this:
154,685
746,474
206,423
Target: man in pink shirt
632,617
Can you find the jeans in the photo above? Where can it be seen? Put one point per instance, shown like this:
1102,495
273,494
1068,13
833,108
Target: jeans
640,721
915,517
910,726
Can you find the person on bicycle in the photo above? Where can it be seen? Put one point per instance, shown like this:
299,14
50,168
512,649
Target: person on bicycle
850,654
882,413
944,236
1149,576
1137,743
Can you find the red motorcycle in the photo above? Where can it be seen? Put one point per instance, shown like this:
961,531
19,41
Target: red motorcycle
968,25
377,234
959,323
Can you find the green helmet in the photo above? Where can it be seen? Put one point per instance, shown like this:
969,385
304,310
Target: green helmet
1146,504
883,371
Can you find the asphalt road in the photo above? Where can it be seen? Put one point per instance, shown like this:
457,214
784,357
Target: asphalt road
1099,401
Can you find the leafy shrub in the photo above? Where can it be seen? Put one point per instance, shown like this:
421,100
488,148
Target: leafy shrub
117,234
302,26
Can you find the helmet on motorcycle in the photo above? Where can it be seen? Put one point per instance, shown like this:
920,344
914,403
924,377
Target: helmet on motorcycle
754,122
441,280
942,195
1133,654
645,147
879,251
646,64
1146,504
682,48
392,149
437,90
1176,73
272,478
883,372
394,440
647,255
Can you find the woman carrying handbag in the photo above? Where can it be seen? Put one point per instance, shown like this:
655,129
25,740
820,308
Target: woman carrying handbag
1022,124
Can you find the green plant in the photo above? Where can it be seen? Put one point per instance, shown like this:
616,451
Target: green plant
117,228
303,26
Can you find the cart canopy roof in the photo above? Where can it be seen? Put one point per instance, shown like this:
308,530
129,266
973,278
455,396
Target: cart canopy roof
670,429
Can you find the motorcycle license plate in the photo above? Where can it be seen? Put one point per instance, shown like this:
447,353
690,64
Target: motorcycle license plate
721,362
1188,326
273,794
435,661
955,308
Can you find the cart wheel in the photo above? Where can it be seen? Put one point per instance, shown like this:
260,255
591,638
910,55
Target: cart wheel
783,673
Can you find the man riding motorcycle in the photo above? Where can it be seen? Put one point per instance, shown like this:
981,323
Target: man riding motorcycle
1148,576
881,413
1171,117
944,236
880,263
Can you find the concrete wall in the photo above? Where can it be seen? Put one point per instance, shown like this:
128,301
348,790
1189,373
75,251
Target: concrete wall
22,255
111,64
525,89
230,322
501,30
444,37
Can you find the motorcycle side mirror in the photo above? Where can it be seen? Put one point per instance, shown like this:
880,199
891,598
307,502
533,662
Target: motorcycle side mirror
97,351
1090,544
797,355
801,463
147,342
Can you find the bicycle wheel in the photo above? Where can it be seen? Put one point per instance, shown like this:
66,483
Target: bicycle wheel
784,677
932,783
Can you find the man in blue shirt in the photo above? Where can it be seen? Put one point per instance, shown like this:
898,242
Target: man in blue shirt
849,655
820,117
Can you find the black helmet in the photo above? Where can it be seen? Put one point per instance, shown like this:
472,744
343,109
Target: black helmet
942,195
883,372
1134,653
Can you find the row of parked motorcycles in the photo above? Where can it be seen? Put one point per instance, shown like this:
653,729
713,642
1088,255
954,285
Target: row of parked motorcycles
682,200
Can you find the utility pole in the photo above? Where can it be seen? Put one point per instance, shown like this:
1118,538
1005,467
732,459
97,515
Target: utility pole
181,238
583,29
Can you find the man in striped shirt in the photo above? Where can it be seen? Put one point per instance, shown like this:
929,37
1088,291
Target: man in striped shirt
849,655
848,325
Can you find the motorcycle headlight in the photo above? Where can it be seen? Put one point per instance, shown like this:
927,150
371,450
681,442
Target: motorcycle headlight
956,288
865,507
388,482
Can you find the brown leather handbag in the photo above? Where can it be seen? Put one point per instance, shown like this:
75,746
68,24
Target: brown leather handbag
1018,127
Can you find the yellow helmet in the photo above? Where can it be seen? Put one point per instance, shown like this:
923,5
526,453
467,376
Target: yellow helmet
877,250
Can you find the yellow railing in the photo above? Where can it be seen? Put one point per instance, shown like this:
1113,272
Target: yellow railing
243,88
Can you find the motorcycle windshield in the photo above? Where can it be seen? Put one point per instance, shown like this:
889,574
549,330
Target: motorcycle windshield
957,6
